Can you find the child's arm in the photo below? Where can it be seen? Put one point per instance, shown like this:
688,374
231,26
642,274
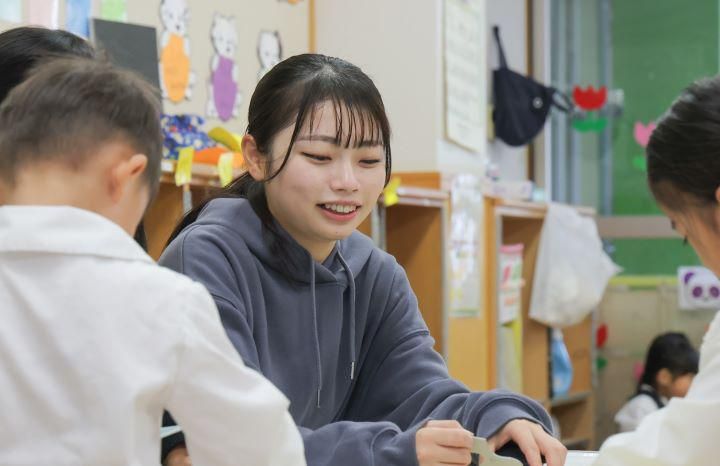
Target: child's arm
686,431
229,413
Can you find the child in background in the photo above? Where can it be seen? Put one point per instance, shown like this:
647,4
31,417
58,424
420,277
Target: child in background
96,340
683,169
670,366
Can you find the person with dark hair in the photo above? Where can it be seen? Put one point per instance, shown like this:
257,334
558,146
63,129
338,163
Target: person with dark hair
23,48
683,172
318,309
96,339
670,366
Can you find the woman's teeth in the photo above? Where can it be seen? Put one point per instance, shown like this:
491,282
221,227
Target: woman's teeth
341,209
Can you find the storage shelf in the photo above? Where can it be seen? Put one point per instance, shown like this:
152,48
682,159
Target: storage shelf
569,399
576,443
203,175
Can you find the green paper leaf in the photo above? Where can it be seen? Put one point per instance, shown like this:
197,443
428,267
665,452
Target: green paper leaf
601,363
590,125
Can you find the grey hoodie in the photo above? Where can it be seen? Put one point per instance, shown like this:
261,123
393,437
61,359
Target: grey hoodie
343,340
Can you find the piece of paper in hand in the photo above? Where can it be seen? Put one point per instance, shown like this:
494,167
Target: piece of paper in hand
169,430
487,457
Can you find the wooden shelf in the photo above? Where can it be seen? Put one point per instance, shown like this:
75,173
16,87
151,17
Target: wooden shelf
569,399
517,222
203,175
576,443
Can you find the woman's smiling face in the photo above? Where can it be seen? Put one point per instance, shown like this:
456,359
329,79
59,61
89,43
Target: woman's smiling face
328,186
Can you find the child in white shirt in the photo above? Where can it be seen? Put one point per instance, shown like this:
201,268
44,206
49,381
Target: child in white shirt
96,340
683,169
670,366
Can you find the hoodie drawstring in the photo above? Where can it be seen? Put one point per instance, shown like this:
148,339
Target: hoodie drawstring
351,281
315,328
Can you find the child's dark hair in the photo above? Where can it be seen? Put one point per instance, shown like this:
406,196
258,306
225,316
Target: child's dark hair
672,351
683,155
290,94
70,106
23,47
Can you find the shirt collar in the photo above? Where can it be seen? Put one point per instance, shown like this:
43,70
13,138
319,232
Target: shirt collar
65,230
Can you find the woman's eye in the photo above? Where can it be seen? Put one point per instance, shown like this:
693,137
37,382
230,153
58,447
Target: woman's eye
370,161
318,158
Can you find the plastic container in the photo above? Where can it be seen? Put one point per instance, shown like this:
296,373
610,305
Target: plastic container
562,370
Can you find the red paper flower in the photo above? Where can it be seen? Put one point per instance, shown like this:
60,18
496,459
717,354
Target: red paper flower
589,99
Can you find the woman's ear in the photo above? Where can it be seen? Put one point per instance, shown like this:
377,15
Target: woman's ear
254,159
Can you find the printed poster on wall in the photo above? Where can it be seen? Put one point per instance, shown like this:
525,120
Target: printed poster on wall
77,17
464,247
464,73
43,13
11,11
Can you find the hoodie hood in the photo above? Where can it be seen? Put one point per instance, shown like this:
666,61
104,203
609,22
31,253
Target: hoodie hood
285,255
239,216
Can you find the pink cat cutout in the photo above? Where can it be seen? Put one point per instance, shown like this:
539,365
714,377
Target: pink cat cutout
642,132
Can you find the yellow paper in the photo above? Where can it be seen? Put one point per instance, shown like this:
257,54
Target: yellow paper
183,169
226,138
390,192
225,168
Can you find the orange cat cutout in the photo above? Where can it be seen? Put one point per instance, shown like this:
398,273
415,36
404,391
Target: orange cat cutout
176,77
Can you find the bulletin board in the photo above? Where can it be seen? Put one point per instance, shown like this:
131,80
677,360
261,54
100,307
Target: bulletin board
659,47
212,51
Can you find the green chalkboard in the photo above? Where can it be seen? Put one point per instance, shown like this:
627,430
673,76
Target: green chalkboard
659,47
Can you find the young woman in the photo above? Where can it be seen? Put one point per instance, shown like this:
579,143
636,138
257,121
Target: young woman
684,176
670,366
315,306
24,47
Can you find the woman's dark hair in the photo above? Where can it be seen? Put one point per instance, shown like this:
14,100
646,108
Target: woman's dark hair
683,155
672,351
290,93
24,47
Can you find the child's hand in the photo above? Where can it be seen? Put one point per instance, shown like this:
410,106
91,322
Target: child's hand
178,457
533,442
443,442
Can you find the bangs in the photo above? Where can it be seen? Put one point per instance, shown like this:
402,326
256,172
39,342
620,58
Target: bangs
355,126
360,118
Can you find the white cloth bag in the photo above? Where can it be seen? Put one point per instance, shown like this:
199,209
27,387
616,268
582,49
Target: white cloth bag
571,271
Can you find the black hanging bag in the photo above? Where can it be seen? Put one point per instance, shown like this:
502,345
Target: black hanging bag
521,103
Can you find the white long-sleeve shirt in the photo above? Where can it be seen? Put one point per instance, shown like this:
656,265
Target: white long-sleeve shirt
684,433
636,409
96,340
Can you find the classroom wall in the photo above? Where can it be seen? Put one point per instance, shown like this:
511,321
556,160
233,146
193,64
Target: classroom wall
289,17
400,45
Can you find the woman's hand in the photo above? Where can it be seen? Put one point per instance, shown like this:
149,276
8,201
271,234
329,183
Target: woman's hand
533,442
443,443
178,456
